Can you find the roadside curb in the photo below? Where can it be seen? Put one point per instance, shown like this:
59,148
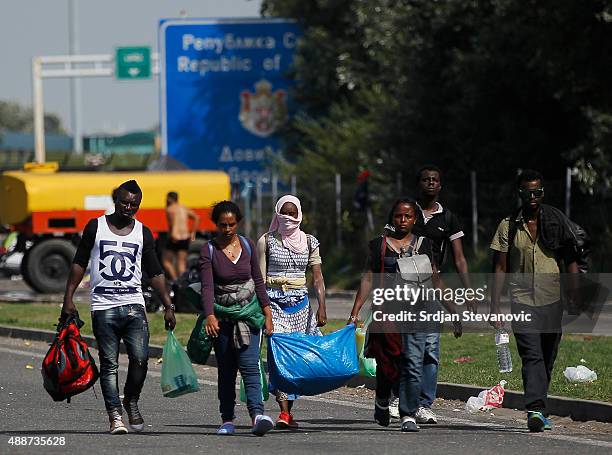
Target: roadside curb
577,409
48,335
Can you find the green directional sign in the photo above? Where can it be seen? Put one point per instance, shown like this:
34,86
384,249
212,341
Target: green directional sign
133,62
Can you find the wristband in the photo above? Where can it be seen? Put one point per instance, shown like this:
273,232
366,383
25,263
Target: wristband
171,307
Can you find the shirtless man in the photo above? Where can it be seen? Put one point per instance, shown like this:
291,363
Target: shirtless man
179,236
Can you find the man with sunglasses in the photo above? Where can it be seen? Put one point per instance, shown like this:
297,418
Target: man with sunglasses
533,245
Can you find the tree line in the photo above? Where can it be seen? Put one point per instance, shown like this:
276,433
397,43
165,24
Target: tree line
18,119
490,86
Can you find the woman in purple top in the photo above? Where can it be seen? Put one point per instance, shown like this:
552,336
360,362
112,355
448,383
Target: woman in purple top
230,275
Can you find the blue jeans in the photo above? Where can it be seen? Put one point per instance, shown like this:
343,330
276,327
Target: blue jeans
431,360
229,361
413,351
127,323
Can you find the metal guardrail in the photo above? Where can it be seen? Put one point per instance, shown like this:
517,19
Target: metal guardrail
13,160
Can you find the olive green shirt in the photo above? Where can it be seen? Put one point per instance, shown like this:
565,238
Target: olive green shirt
535,275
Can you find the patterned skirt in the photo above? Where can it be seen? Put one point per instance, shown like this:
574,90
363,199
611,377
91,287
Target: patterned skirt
293,318
298,317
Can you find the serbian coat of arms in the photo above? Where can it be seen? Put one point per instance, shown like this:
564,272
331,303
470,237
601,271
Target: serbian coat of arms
264,111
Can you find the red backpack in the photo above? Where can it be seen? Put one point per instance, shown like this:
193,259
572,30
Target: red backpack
68,368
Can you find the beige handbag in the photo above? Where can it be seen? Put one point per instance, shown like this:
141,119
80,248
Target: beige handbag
416,268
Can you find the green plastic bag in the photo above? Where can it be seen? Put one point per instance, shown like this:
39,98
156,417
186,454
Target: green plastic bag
200,344
177,376
367,367
265,393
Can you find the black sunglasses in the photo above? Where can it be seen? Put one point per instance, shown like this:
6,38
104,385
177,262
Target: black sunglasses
527,194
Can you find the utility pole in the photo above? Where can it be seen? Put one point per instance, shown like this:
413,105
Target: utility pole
338,210
38,111
75,83
568,191
71,66
473,183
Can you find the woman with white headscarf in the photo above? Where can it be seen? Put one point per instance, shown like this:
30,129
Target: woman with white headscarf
285,252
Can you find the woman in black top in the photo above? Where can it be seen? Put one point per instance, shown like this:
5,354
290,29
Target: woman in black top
399,356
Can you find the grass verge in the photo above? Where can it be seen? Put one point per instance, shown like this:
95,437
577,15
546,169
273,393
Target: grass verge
44,316
482,371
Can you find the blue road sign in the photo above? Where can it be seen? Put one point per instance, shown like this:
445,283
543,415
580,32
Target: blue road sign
225,91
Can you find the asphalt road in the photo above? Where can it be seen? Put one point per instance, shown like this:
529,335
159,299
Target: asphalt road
338,422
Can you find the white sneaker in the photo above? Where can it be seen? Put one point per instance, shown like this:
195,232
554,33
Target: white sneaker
116,422
261,425
425,415
394,407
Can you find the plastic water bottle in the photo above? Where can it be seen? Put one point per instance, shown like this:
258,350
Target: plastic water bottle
504,357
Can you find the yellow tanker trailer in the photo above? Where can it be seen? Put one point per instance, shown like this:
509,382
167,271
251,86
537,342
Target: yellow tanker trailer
49,210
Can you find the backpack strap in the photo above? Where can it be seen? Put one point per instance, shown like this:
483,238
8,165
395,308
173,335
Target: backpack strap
243,241
512,230
415,249
245,244
72,357
383,250
210,250
267,251
448,218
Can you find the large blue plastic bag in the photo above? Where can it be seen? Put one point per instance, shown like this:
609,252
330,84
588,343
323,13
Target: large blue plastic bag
304,364
177,376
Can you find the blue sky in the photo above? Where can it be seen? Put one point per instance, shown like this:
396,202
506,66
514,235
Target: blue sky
31,28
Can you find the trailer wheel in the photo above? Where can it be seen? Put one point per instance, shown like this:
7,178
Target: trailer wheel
193,256
24,268
47,265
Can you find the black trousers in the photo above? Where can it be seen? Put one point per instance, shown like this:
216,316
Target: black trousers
384,387
538,343
538,352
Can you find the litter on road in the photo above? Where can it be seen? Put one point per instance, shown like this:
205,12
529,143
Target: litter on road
487,399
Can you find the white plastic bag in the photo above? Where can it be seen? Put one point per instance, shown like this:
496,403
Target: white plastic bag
487,399
579,374
474,404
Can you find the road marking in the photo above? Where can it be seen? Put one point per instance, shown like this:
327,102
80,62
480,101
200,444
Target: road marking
559,437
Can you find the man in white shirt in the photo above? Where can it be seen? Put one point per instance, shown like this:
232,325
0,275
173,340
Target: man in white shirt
119,248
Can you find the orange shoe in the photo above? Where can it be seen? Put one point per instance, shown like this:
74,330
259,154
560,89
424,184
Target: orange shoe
284,420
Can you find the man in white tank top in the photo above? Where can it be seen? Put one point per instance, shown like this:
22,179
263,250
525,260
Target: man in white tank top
118,249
